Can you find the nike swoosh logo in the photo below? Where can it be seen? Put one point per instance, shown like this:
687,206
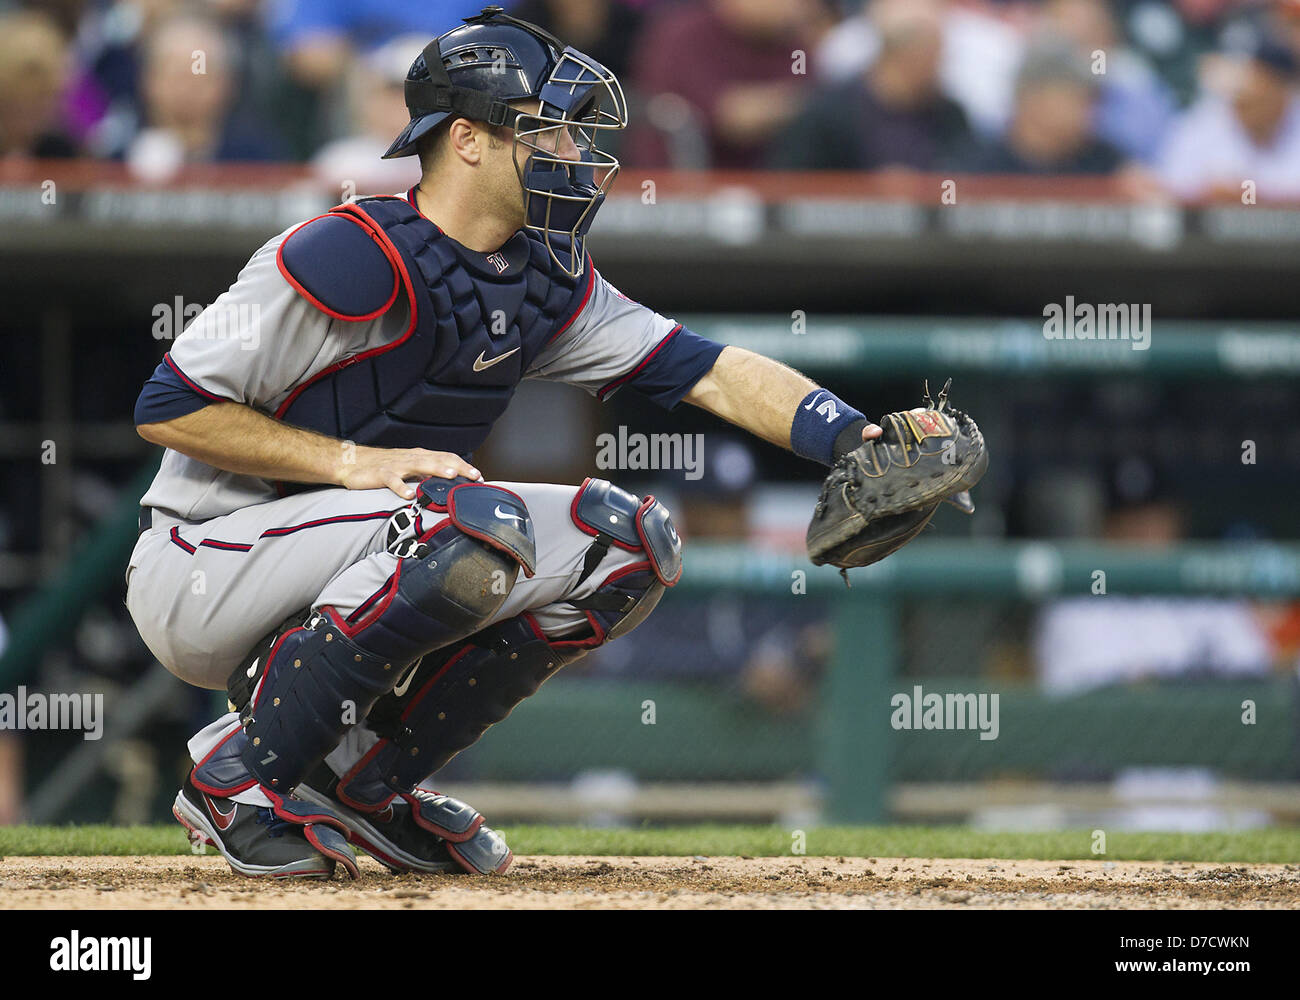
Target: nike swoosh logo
813,402
505,515
405,682
222,820
480,365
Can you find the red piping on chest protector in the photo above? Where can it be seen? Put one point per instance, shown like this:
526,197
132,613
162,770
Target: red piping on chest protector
302,290
395,258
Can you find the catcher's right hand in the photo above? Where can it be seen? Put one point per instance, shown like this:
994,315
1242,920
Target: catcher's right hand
879,496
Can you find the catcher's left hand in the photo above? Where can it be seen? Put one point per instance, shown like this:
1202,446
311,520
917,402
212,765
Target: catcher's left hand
879,496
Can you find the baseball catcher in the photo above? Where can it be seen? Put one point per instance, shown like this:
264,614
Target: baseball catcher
317,542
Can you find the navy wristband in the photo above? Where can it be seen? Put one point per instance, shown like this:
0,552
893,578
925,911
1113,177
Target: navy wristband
818,422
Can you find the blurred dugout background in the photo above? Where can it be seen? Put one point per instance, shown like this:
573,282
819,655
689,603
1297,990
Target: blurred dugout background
875,193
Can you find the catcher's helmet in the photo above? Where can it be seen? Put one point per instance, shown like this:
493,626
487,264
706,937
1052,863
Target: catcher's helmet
474,70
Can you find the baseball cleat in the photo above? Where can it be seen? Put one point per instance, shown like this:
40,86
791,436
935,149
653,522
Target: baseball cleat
256,842
401,836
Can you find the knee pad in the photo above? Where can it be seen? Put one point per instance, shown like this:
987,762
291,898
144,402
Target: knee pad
318,679
452,577
617,518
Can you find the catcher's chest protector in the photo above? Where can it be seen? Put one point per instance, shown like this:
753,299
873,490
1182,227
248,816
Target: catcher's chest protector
479,320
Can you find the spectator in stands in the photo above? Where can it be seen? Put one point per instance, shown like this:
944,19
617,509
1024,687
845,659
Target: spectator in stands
1134,105
1051,125
1285,16
1105,638
353,164
604,29
34,72
108,51
262,85
187,91
892,115
319,38
717,81
982,46
785,666
1246,131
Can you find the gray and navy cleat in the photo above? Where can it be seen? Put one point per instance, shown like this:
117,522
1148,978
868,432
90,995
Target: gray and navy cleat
420,831
256,842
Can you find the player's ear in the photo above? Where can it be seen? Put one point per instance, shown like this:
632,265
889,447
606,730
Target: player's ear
464,140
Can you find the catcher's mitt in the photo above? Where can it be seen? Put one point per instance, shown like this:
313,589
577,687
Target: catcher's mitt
879,496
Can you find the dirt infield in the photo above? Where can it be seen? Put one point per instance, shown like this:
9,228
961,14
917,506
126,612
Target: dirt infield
548,882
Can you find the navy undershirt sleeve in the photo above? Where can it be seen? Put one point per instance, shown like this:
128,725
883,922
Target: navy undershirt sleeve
670,371
167,395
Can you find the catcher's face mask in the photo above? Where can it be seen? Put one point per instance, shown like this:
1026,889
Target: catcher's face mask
563,172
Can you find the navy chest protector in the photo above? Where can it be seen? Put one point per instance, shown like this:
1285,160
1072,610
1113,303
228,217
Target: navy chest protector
477,322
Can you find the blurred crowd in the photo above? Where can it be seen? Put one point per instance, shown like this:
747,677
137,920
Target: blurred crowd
1190,97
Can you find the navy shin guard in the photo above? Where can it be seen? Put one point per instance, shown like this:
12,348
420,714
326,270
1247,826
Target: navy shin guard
452,698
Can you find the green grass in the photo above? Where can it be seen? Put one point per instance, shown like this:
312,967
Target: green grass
1270,845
